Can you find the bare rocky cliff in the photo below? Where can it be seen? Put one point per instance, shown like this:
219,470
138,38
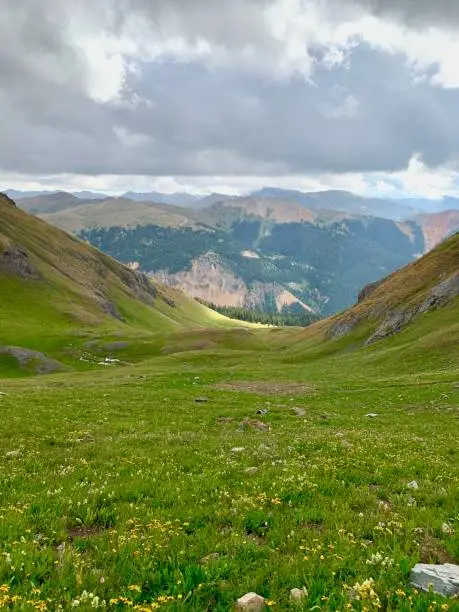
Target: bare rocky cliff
210,280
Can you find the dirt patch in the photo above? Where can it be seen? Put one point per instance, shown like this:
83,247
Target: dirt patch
86,531
225,420
255,424
266,387
311,526
433,551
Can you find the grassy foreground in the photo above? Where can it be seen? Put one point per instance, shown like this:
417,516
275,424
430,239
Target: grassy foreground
120,491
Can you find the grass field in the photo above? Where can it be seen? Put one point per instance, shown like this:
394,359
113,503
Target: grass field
119,490
120,483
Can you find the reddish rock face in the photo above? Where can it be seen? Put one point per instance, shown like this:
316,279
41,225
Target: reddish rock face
367,291
438,226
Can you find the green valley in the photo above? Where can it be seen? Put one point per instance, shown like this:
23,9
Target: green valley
182,459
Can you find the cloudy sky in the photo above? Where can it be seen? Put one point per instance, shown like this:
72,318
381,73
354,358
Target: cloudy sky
206,95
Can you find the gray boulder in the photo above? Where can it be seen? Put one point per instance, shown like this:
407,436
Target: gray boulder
251,602
34,360
442,579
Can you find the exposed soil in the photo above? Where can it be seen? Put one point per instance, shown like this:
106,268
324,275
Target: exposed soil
266,387
86,531
432,551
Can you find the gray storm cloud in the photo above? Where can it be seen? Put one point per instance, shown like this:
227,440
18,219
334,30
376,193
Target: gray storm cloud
414,12
193,115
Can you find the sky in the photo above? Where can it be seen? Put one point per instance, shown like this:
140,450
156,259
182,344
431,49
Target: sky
205,95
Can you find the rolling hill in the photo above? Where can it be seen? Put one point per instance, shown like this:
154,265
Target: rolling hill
343,201
56,292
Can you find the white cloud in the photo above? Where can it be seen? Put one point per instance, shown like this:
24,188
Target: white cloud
419,180
415,181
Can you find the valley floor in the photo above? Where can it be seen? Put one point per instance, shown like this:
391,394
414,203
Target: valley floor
160,486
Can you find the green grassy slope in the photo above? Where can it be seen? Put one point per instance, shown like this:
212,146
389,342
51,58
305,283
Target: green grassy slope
54,288
410,318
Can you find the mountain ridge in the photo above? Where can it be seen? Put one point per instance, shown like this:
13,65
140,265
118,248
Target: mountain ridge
333,199
55,290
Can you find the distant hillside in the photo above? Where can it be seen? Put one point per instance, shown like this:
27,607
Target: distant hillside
250,252
267,254
116,212
343,201
386,308
437,226
50,202
55,289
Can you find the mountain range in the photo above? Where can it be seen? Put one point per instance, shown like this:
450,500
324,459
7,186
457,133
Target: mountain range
258,253
80,295
345,201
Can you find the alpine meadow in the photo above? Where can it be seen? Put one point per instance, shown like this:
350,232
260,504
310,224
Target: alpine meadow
229,305
170,458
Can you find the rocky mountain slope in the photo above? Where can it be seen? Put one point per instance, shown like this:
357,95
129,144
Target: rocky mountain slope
390,306
264,254
55,289
257,252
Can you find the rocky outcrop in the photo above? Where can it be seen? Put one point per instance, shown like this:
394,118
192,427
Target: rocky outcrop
368,290
7,199
439,296
14,260
35,361
342,327
443,293
140,284
210,280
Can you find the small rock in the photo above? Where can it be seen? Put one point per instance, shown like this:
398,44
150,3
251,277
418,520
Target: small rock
384,505
346,444
443,579
338,434
251,470
210,558
255,424
86,438
298,595
251,602
201,400
447,529
411,502
300,412
2,394
413,485
14,453
371,415
262,411
224,420
238,449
